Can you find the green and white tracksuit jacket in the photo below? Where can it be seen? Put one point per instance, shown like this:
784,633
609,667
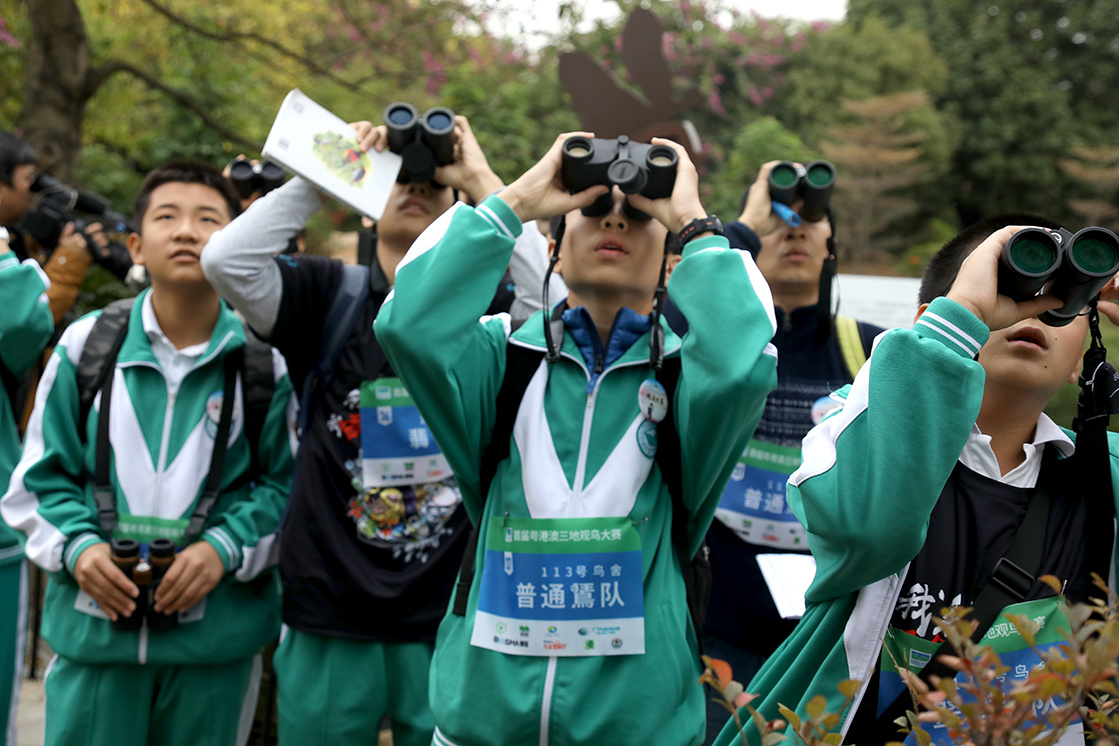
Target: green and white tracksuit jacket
25,326
576,452
161,440
871,476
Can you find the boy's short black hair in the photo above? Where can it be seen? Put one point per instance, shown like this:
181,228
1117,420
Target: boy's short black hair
14,152
942,269
185,172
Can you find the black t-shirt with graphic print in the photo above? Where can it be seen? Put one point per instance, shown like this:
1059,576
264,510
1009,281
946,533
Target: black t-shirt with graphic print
364,564
972,526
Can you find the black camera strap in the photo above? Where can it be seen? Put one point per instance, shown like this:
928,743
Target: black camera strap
104,494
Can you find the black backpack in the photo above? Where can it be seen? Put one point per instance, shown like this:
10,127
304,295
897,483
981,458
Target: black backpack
98,360
521,364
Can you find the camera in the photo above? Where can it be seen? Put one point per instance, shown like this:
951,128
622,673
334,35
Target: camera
1073,267
56,207
249,177
147,575
424,142
635,167
813,183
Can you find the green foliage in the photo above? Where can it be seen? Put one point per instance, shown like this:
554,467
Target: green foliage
1027,84
762,140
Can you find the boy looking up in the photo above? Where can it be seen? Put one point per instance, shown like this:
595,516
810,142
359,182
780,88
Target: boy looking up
914,491
184,672
602,649
367,564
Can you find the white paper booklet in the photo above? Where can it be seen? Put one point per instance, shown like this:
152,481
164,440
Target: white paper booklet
309,141
788,577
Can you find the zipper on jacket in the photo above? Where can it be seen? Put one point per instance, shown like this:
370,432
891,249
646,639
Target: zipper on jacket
143,649
584,446
546,704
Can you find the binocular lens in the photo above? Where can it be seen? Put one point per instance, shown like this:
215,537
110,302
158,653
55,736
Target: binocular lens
400,115
821,175
270,171
578,151
784,175
439,120
1033,256
1095,254
241,170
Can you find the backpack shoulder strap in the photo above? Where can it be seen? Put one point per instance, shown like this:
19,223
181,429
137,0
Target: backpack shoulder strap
343,313
95,373
258,380
99,355
521,364
696,567
850,343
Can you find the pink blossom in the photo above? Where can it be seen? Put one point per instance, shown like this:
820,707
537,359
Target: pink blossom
716,102
618,44
820,26
685,6
736,37
352,34
718,78
706,43
6,36
754,96
767,92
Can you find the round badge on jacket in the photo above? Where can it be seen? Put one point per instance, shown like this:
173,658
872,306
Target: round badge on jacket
652,400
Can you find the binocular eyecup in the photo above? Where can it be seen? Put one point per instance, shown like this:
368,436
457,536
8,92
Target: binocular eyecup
634,167
249,177
424,142
813,183
1072,267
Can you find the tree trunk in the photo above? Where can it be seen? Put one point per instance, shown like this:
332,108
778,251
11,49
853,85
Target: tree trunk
56,94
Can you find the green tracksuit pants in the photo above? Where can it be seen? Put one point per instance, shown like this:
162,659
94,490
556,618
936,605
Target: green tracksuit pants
13,636
150,705
332,690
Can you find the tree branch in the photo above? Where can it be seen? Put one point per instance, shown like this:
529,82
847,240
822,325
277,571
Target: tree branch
241,36
103,72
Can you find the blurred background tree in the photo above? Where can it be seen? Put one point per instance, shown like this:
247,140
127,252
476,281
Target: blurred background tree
1011,100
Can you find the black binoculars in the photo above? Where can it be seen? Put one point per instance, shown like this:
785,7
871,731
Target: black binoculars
812,183
1073,267
249,177
635,167
424,142
147,575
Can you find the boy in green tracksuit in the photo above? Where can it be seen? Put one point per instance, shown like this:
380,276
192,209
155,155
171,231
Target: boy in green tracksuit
25,326
912,494
186,673
576,627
